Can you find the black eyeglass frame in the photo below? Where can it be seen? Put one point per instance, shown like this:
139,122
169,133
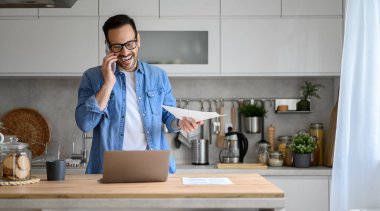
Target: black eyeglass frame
123,45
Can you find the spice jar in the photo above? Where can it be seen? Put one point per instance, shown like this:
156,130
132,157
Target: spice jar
316,130
282,141
275,159
15,160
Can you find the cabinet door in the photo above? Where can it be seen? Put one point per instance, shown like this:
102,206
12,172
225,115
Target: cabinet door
18,13
178,8
303,193
48,47
133,8
250,7
311,7
80,8
283,47
172,43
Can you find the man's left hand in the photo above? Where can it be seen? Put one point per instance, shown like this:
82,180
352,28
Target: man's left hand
188,124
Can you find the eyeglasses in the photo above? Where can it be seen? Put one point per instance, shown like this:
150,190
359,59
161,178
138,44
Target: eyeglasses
130,45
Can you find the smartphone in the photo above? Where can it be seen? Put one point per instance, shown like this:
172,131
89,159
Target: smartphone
113,63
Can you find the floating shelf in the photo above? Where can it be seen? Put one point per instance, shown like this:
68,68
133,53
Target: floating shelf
292,112
292,106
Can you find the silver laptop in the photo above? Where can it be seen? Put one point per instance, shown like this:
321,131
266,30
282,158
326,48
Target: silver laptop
135,166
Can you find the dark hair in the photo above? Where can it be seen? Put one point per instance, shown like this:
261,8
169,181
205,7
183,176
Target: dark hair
116,22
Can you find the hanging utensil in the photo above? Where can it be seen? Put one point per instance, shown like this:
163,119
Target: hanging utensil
216,124
210,123
202,134
233,116
220,139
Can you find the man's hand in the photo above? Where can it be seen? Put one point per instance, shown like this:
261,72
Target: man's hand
189,124
107,69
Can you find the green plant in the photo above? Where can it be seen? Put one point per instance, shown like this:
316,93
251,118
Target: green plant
310,90
303,143
253,110
1,125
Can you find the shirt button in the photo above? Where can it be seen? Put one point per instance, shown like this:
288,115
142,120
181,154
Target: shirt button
143,114
122,117
147,131
123,83
139,98
121,134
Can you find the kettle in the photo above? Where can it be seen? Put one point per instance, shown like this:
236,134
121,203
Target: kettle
235,148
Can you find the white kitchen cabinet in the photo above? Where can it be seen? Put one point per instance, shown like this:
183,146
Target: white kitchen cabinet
133,8
48,47
18,13
281,47
186,8
250,7
312,7
302,193
81,8
180,43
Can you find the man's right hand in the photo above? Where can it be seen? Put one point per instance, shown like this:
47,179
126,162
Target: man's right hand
107,69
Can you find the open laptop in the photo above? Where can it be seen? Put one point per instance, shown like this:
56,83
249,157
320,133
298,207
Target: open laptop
135,166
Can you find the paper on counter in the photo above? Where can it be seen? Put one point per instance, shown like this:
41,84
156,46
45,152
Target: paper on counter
206,181
197,115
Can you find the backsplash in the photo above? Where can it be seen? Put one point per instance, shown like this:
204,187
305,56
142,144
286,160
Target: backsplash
56,98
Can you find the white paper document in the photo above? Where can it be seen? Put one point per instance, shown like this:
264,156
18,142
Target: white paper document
206,181
197,115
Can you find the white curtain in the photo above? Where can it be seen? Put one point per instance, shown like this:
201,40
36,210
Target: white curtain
356,169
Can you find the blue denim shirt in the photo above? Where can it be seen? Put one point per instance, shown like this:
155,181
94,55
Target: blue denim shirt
152,89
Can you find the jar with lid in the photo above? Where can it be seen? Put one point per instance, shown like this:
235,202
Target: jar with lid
15,160
316,130
276,159
262,149
282,141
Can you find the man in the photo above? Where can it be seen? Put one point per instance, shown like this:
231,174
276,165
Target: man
121,100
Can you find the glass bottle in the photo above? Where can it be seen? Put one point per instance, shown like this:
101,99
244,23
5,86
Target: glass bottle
262,149
288,159
15,160
316,130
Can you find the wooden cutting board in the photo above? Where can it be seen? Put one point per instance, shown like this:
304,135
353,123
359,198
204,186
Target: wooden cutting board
241,166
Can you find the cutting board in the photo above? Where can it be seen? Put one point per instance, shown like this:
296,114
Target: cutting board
241,166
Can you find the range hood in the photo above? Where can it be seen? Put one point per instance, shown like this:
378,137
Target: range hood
37,3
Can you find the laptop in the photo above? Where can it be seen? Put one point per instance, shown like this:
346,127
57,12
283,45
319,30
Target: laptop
135,166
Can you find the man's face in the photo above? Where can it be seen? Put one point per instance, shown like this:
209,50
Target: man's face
127,59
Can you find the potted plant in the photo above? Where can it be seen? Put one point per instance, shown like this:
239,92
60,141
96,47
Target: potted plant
253,114
307,91
302,147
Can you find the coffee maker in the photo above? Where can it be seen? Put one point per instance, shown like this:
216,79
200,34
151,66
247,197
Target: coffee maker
235,148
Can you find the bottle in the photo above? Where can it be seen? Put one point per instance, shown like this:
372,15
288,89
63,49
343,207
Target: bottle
288,159
271,132
282,141
316,130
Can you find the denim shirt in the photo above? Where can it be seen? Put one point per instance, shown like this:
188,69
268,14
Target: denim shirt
152,89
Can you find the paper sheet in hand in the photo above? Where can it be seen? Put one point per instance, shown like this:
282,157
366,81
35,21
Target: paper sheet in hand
197,115
206,181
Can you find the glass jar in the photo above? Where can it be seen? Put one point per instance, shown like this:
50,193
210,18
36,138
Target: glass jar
276,159
288,159
262,149
282,141
15,160
316,130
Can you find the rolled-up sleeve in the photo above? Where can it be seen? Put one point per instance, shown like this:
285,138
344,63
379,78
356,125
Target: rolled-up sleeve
88,113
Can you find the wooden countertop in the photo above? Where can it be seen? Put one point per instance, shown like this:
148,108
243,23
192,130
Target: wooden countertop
87,187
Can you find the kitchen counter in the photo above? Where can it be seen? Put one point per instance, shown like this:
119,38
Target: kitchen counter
270,171
85,191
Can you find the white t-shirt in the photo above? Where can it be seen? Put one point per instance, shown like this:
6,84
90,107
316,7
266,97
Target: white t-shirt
134,136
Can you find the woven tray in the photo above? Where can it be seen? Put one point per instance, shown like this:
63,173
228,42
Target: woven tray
29,126
15,183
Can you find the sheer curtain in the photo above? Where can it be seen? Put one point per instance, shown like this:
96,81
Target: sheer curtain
356,172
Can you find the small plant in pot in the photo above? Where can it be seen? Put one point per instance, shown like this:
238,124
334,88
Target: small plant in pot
307,91
253,114
303,145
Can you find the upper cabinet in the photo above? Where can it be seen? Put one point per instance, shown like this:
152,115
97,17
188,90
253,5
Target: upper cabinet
48,47
18,13
186,8
81,8
133,8
250,7
281,47
312,7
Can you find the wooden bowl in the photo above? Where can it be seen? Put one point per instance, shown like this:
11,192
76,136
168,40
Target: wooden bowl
282,108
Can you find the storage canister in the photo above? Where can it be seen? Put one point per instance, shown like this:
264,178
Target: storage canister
316,129
15,160
288,159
